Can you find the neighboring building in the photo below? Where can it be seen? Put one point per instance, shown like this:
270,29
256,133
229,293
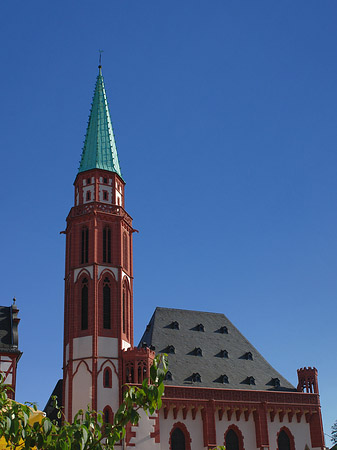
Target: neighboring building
219,389
9,341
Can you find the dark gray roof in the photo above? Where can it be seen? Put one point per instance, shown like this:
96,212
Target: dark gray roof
8,329
49,409
218,354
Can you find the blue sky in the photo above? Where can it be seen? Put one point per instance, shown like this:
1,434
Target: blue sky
225,117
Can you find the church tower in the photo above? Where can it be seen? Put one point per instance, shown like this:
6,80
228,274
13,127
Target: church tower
98,313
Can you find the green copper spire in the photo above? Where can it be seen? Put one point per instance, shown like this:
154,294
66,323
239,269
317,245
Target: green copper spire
99,151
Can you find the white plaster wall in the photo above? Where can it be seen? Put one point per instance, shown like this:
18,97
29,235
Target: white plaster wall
247,429
90,270
125,275
82,347
90,189
4,366
194,427
107,188
143,441
9,379
113,270
125,345
300,431
107,396
85,181
82,389
107,347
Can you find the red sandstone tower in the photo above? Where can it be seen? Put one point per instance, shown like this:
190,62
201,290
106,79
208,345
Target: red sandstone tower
98,273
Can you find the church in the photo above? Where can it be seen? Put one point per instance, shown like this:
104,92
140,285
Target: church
219,388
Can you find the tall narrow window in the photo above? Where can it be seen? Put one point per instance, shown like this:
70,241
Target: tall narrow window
106,304
84,305
85,245
107,415
107,245
124,309
125,252
107,375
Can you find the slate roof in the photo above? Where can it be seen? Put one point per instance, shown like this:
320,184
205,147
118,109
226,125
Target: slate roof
220,356
99,151
8,331
49,409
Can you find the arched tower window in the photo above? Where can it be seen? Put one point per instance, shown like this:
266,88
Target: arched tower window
107,378
84,245
179,437
107,245
125,251
107,415
84,304
106,303
285,440
124,307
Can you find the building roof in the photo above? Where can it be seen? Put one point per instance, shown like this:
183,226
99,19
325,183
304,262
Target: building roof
8,329
206,350
49,409
99,151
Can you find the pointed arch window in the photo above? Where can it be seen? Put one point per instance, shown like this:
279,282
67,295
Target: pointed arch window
232,441
125,311
285,440
234,438
107,245
84,304
84,245
125,251
108,415
107,378
106,303
179,437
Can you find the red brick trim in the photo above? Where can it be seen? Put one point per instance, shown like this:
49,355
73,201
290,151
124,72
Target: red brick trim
155,434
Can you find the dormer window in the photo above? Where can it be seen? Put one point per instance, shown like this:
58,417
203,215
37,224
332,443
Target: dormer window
170,349
174,325
200,327
276,382
198,351
223,354
248,356
224,379
223,330
168,376
250,380
196,378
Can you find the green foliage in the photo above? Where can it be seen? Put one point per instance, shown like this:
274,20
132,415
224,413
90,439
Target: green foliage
334,433
88,430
